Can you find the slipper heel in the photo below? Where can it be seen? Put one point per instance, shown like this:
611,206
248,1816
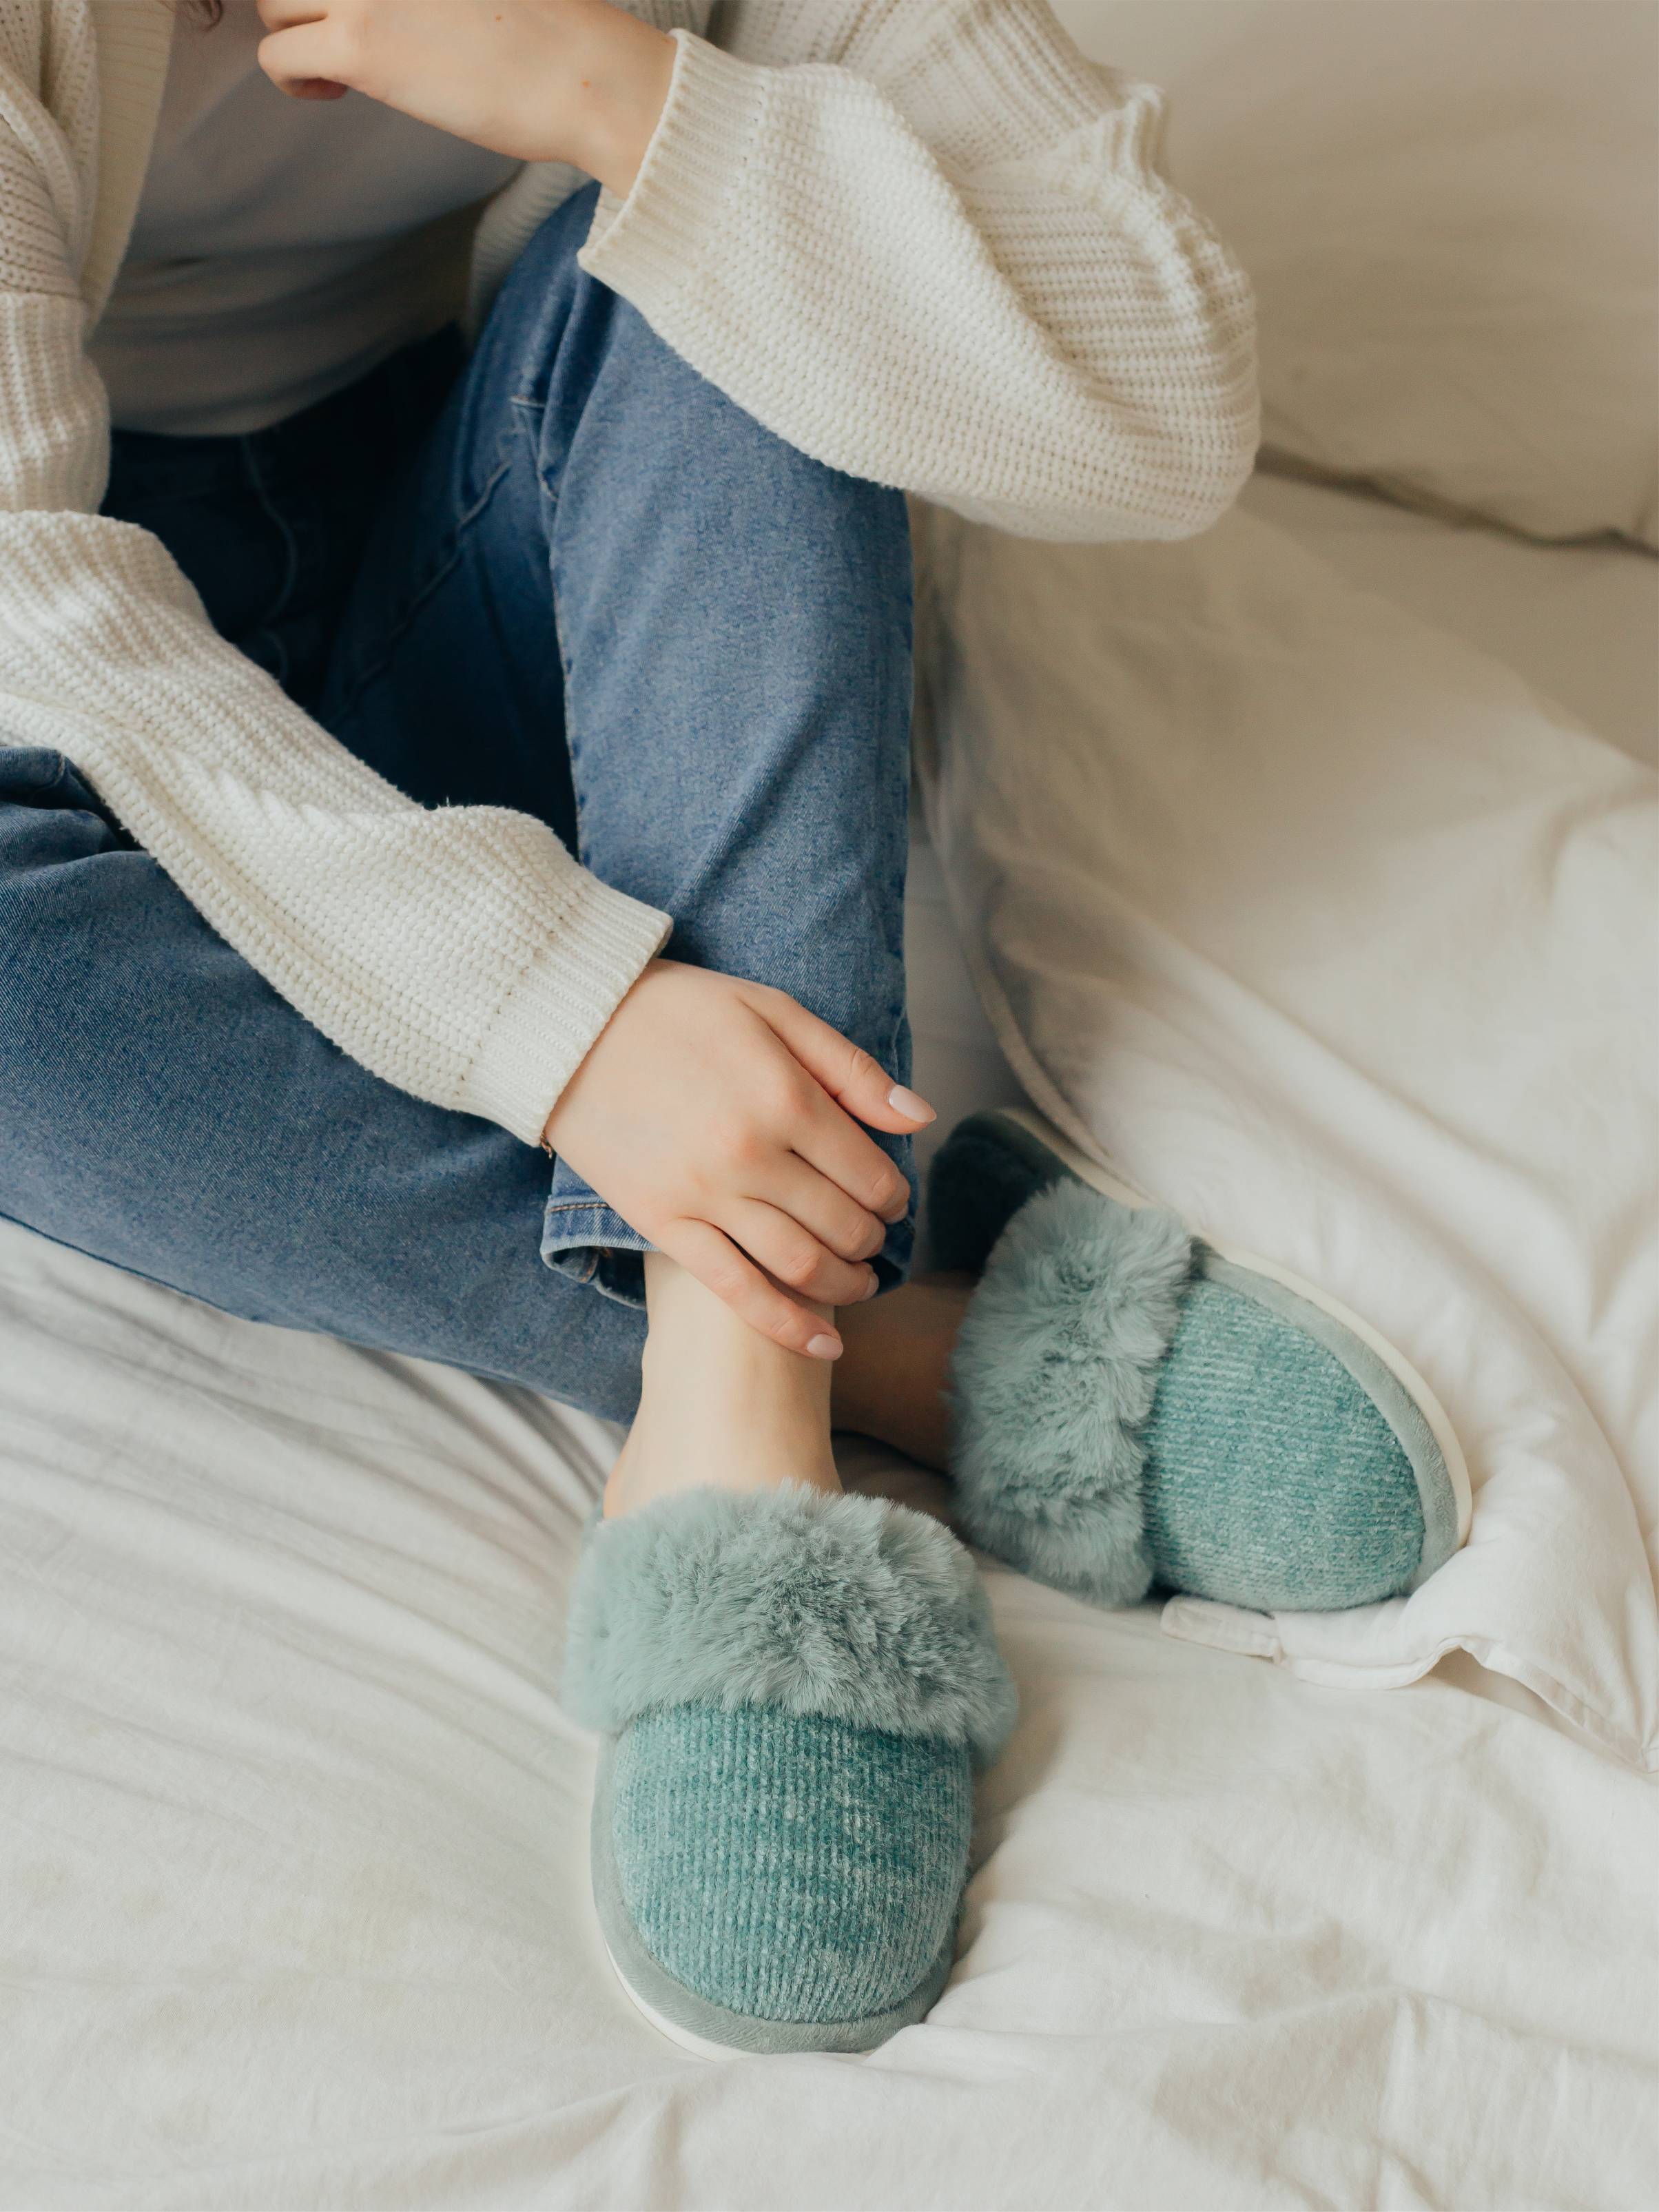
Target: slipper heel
794,1691
1135,1405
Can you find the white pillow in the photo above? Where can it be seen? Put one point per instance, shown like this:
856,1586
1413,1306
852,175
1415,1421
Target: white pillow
1449,210
1330,934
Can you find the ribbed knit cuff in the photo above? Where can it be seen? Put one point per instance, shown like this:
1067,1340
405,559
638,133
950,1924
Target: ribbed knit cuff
545,1026
656,246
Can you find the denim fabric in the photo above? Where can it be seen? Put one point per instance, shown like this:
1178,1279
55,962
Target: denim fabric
571,578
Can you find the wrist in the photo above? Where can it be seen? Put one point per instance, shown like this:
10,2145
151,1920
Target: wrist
616,84
569,1099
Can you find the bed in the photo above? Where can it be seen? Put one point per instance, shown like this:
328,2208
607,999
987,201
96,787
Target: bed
294,1907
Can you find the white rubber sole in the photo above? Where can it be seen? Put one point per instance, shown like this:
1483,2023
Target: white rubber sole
1404,1374
696,2044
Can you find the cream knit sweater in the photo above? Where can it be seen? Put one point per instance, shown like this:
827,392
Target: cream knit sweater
922,239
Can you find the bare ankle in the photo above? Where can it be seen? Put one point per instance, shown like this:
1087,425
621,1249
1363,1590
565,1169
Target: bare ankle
891,1382
720,1406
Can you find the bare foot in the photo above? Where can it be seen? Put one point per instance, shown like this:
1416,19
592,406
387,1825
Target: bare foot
721,1406
889,1381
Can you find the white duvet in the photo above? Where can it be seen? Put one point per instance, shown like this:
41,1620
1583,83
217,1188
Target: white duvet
294,1905
1328,929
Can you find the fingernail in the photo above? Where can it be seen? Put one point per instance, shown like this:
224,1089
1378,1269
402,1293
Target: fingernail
906,1103
875,1285
824,1347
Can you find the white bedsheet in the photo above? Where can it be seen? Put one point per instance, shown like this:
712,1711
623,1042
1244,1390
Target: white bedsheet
1580,623
293,1871
1328,929
294,1905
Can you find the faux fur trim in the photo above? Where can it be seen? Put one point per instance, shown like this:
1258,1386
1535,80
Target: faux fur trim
847,1606
1052,1377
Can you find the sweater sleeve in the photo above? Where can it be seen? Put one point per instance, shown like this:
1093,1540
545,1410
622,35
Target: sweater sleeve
932,245
461,953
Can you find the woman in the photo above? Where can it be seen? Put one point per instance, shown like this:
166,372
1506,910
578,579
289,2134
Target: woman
940,258
412,759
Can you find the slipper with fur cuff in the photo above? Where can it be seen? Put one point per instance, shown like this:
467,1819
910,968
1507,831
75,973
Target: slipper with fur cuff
1135,1406
794,1689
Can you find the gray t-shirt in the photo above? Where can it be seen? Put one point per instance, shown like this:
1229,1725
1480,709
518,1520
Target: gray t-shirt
283,246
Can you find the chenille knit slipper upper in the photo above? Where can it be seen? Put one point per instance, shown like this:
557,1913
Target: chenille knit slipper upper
794,1689
1135,1405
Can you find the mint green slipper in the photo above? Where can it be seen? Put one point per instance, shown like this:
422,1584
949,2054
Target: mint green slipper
1135,1405
793,1690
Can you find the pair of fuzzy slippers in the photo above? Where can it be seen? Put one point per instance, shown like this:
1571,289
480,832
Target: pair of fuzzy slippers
794,1689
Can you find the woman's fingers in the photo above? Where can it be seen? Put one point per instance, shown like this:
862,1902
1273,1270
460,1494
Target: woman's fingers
822,1209
577,81
696,1118
299,62
719,1266
283,14
315,87
833,1145
794,1257
850,1075
849,1087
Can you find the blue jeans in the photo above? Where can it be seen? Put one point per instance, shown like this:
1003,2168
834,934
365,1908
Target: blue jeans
567,576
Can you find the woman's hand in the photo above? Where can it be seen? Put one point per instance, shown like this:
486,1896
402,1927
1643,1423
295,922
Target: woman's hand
706,1115
574,80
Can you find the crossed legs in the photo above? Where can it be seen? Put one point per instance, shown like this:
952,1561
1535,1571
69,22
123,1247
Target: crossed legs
598,591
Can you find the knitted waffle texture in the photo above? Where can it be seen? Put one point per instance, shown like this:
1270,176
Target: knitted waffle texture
924,240
796,1688
1270,1480
790,1867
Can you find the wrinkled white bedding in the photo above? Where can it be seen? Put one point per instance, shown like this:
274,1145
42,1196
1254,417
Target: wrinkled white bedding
1327,929
293,1870
294,1908
1579,622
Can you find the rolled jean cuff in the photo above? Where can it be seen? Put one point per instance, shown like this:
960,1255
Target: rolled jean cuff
588,1240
